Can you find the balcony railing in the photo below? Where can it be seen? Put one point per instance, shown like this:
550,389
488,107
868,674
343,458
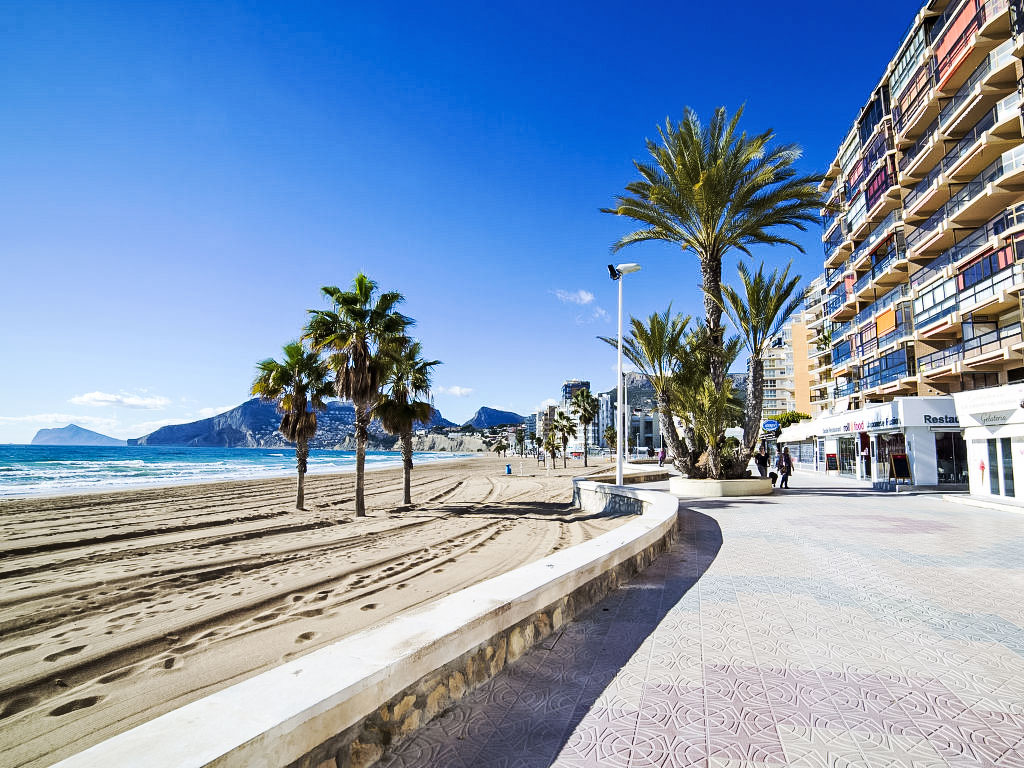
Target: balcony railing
889,368
832,241
905,328
846,388
876,236
991,286
991,341
936,303
995,227
886,301
914,95
966,91
941,358
969,140
911,154
926,227
835,303
922,186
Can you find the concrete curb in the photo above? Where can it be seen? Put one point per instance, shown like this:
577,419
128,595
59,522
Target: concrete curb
343,705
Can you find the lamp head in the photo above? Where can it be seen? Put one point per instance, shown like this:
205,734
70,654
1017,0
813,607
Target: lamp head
613,272
625,269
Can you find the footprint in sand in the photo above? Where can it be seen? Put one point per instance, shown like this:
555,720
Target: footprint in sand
21,649
65,652
305,637
298,598
264,617
116,675
312,612
368,607
403,585
169,663
72,706
16,705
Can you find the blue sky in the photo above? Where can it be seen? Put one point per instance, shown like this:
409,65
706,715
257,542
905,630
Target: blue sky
180,180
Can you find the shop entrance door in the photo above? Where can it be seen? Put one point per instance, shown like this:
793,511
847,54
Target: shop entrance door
951,458
847,456
895,442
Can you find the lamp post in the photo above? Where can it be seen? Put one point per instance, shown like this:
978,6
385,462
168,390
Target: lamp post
616,273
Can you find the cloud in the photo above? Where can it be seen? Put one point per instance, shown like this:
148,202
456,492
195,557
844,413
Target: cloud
600,314
454,391
574,297
546,403
123,400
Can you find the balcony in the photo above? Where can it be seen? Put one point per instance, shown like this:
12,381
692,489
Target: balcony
896,295
942,363
981,237
995,75
876,236
988,192
888,372
994,294
928,194
935,304
899,333
846,389
968,36
916,105
993,349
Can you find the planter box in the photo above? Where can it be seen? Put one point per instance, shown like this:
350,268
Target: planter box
706,489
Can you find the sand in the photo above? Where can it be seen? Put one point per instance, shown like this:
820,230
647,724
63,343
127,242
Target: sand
118,607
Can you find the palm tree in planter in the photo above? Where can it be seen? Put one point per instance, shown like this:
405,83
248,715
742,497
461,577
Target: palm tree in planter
584,408
654,348
565,428
359,334
759,310
712,190
407,379
299,385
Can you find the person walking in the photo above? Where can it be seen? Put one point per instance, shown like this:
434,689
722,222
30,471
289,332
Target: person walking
785,467
761,461
661,457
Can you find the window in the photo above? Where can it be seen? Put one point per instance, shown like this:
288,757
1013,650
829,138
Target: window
1007,450
993,468
984,267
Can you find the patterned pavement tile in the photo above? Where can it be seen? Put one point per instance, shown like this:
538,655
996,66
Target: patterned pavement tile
829,627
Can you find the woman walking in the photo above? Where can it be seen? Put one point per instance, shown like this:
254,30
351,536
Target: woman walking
785,467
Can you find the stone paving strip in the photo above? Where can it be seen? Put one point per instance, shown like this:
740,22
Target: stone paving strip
826,627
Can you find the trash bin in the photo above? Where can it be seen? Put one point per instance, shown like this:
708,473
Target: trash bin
508,469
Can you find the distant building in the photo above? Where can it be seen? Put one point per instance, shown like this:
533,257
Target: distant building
605,417
570,388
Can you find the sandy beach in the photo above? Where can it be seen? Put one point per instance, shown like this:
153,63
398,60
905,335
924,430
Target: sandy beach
118,607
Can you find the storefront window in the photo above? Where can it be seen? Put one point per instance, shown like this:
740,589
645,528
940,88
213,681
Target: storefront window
847,456
951,458
888,444
1007,451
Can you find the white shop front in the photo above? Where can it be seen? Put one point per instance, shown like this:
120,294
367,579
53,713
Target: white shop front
993,422
924,429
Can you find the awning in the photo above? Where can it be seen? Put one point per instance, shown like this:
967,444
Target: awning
796,433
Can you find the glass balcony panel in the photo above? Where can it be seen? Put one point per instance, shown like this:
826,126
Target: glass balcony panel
956,40
908,60
913,96
941,358
911,153
969,140
936,303
924,185
991,286
875,236
991,341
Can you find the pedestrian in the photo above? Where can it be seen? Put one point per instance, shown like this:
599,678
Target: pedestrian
761,461
661,457
785,467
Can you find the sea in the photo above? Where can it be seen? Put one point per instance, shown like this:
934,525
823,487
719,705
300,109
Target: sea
44,470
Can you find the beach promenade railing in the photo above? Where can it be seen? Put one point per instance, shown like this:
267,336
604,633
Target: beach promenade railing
346,703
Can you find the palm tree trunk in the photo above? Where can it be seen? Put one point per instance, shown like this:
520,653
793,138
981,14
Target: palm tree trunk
301,454
407,467
755,400
585,444
565,445
668,429
362,432
711,275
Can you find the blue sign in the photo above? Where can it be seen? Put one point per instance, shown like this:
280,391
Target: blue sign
769,425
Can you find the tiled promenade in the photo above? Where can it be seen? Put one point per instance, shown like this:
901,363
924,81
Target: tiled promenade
834,627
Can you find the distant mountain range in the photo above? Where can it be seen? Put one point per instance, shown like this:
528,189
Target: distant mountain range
485,418
254,423
73,434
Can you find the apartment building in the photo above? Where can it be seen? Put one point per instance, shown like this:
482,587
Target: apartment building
924,260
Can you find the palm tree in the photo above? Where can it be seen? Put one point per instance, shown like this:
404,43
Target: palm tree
299,386
654,349
358,334
759,310
551,445
521,441
713,190
407,378
584,407
609,435
565,428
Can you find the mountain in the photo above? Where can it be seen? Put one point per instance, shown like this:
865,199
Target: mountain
485,418
253,424
73,434
639,392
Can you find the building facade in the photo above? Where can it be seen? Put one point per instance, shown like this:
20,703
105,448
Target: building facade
924,240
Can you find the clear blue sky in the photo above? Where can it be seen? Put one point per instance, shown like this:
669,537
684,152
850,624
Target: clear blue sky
180,179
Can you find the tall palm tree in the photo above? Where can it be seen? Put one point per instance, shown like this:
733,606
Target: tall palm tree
299,385
359,332
713,190
407,378
759,310
565,428
584,407
550,445
654,347
609,435
521,441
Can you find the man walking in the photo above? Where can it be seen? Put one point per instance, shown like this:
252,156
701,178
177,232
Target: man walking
785,467
761,461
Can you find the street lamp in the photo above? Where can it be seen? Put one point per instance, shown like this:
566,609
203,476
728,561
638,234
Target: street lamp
616,273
